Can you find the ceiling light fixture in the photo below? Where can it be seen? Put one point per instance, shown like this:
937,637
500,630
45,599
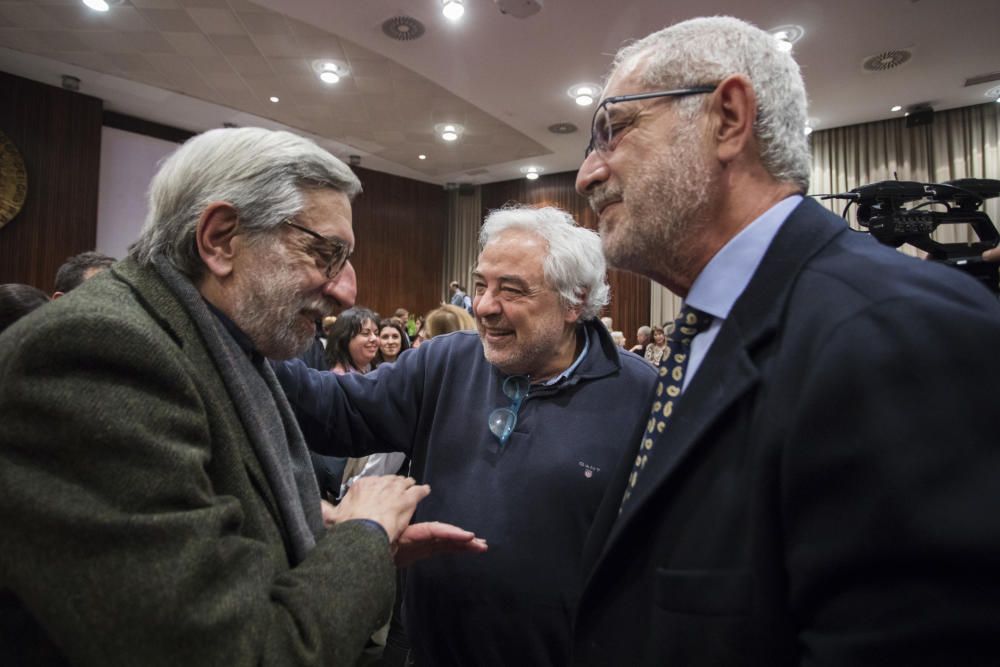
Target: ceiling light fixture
584,93
97,5
994,93
787,36
453,9
807,130
531,173
274,99
329,71
449,131
896,108
421,157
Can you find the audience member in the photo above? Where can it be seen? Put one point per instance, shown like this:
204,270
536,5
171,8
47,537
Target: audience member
392,341
512,427
813,487
156,498
78,268
420,337
619,338
654,351
608,323
353,341
17,300
459,297
446,319
642,337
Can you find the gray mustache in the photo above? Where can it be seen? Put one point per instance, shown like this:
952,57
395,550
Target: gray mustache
601,198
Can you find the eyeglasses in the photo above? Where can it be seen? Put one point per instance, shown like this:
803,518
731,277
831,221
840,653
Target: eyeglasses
331,254
503,420
605,133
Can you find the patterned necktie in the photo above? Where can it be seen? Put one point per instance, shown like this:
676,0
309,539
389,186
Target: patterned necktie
688,324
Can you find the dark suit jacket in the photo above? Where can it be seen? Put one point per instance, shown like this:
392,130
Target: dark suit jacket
828,490
138,527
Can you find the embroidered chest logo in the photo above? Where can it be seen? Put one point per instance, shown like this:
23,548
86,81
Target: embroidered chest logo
588,470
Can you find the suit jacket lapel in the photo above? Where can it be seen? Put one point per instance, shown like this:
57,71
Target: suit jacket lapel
726,374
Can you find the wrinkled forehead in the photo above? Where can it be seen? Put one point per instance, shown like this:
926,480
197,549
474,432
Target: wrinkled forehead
514,252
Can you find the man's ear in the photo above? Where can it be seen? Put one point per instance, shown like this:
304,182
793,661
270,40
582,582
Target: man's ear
571,314
217,227
734,109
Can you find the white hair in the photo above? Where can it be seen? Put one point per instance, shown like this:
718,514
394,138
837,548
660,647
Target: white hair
261,173
574,265
704,51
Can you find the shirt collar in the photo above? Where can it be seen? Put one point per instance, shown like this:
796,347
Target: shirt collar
727,274
576,362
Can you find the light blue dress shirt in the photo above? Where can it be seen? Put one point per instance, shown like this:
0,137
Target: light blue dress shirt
726,275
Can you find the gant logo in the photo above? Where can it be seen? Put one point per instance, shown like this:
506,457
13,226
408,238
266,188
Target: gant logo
588,470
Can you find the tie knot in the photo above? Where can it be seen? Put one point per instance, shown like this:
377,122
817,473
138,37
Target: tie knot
689,323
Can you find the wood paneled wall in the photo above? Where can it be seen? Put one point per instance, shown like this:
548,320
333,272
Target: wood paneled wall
399,228
58,133
629,307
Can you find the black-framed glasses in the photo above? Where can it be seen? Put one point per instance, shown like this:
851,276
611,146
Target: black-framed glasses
605,133
332,254
503,420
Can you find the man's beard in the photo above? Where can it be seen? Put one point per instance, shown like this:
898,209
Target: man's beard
664,204
272,311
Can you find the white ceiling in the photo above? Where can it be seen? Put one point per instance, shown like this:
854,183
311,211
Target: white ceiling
197,64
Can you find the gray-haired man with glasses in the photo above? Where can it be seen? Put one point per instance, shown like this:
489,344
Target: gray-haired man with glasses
811,489
157,500
514,427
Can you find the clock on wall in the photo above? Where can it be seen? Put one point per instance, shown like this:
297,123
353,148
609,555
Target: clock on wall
13,180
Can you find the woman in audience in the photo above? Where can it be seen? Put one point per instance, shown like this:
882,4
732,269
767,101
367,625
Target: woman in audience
17,300
446,319
654,351
352,342
392,340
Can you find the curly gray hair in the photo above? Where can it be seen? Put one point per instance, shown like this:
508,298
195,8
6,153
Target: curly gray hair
574,265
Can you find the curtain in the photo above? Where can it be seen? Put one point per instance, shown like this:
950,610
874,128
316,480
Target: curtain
960,143
465,216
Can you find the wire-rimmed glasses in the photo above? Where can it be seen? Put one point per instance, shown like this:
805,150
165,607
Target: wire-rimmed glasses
332,254
503,420
604,133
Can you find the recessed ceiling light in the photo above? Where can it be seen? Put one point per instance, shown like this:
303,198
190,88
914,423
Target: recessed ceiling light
97,5
532,172
329,71
274,99
786,36
449,131
993,93
896,108
421,157
453,9
584,93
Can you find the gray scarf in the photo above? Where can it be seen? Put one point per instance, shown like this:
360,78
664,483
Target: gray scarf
266,415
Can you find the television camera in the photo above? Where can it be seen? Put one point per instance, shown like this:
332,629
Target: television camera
882,210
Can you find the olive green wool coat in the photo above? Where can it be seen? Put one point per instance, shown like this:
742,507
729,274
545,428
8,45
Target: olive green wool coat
136,525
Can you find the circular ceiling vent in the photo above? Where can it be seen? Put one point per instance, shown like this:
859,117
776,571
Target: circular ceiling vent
562,128
403,28
886,60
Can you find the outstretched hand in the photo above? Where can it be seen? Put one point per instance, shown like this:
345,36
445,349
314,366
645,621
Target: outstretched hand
992,255
421,540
